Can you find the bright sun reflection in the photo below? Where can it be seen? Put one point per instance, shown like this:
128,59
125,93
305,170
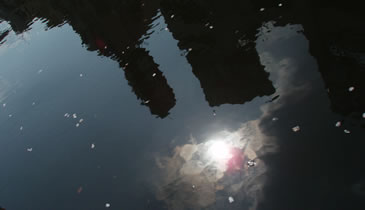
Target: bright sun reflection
219,150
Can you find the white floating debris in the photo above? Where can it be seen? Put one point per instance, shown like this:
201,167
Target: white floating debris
29,149
92,146
33,103
4,105
166,29
146,102
193,186
251,163
172,16
230,199
280,4
77,124
81,75
74,115
296,128
127,47
262,9
190,49
211,27
10,115
351,89
107,205
154,74
338,124
275,119
363,115
21,128
81,120
346,131
40,71
105,47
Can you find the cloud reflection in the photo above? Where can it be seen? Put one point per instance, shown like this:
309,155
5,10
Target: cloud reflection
202,174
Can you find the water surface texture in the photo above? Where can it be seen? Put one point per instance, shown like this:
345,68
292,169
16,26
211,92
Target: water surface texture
182,104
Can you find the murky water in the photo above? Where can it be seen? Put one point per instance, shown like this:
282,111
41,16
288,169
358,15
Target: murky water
182,105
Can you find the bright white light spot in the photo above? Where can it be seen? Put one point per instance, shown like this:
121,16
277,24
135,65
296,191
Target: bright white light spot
219,150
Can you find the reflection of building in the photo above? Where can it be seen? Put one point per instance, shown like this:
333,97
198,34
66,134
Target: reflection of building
219,38
114,29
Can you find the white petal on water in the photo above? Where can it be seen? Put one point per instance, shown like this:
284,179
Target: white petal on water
351,89
211,27
77,124
190,49
29,149
230,199
146,102
154,74
346,131
40,71
74,115
107,205
280,4
262,9
81,120
338,124
172,16
92,146
275,119
296,128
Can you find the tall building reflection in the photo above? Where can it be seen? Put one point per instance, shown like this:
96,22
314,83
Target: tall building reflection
114,29
220,41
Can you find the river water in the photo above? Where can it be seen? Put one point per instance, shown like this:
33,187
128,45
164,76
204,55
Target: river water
179,104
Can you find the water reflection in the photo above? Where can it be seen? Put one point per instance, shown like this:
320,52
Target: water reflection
239,51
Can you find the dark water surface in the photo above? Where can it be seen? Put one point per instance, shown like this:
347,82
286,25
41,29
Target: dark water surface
182,104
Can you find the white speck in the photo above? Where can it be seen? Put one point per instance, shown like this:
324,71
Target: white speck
296,128
251,163
346,131
81,120
166,29
10,115
275,119
190,49
29,149
351,89
81,75
230,199
33,103
154,74
211,27
363,115
105,47
262,9
40,71
107,205
74,116
77,124
127,47
4,105
172,16
193,186
126,64
207,24
146,102
280,4
338,124
21,128
92,146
